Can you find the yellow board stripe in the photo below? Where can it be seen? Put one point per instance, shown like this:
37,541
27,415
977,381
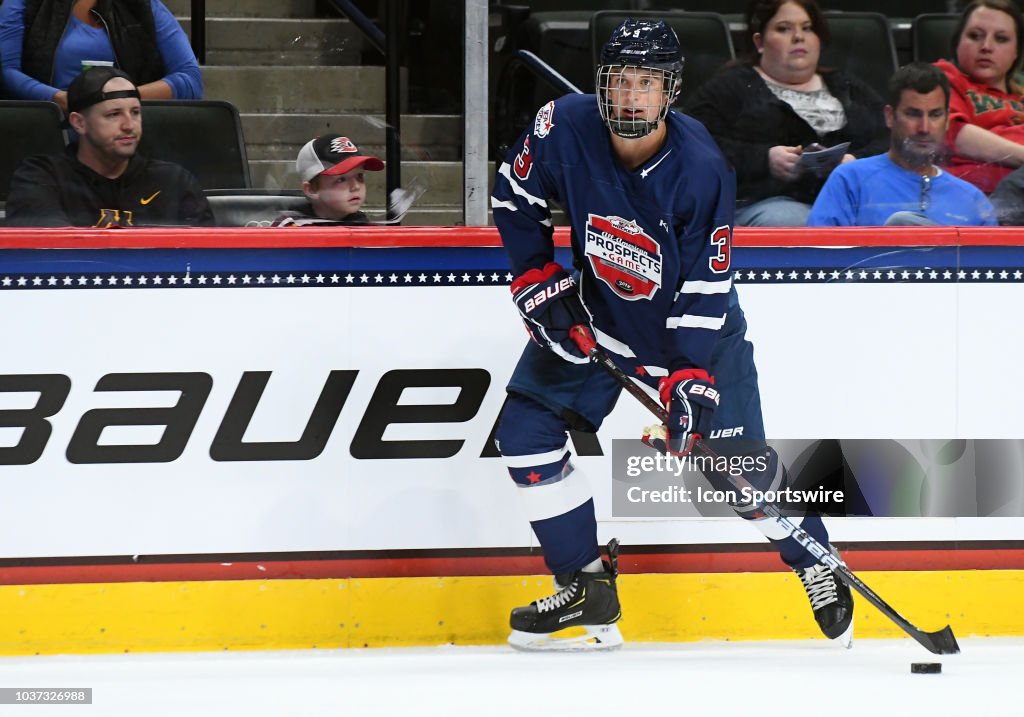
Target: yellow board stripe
377,612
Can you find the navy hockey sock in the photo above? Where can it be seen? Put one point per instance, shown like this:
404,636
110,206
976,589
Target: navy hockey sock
772,477
569,540
795,555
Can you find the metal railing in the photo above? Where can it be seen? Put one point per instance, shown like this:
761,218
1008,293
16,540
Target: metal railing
546,72
508,120
199,30
387,43
366,25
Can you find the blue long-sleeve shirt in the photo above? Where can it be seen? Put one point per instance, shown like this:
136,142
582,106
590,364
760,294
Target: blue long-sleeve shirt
868,191
84,42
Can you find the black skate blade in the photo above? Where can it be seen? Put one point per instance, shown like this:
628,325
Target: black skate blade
942,642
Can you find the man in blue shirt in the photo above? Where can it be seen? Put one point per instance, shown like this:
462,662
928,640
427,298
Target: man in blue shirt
905,186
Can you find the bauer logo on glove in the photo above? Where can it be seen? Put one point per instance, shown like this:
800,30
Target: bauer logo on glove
550,292
549,303
690,398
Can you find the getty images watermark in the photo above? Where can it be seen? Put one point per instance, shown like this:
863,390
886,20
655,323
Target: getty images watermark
890,478
736,466
741,476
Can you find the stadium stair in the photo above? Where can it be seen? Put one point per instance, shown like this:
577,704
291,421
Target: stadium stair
294,75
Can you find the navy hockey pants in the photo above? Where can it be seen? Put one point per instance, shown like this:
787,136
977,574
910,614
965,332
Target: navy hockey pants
548,396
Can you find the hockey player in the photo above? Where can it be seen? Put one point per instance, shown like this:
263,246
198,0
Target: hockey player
650,199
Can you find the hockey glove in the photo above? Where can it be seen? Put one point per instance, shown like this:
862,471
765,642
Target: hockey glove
550,305
690,398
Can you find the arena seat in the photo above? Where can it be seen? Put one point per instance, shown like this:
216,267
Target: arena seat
932,36
561,36
862,45
562,41
28,128
204,136
255,207
722,7
704,37
558,33
890,8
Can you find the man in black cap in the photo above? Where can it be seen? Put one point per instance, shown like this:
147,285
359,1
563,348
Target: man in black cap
104,182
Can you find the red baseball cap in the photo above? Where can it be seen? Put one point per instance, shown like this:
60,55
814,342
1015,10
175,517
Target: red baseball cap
332,154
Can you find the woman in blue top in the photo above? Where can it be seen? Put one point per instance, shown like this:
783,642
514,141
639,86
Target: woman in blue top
43,44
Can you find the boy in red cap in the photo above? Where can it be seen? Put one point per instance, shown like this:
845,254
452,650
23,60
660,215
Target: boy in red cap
331,169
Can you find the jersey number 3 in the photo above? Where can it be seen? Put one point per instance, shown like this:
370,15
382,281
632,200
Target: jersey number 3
524,162
721,238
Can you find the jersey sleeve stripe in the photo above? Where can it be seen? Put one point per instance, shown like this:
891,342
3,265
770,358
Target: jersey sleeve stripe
498,204
613,344
707,287
517,189
619,348
692,321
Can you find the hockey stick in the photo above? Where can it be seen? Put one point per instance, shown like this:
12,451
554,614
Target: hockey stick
942,642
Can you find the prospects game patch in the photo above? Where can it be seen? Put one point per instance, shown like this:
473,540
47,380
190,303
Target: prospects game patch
623,256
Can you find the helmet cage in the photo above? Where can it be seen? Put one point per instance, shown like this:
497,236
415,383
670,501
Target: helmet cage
611,98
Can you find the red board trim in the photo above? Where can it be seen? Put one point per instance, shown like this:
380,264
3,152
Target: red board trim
342,237
738,561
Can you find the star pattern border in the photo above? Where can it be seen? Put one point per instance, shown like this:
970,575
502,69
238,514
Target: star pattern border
470,277
241,279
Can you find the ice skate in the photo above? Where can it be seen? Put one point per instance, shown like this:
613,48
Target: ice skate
831,602
587,601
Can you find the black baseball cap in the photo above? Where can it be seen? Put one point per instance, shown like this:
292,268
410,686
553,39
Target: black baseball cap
332,154
86,90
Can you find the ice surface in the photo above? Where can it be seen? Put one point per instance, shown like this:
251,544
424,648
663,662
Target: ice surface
720,678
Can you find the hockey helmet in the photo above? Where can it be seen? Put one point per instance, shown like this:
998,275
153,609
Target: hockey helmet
638,49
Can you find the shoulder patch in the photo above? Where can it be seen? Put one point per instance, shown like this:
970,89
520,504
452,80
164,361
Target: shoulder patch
544,121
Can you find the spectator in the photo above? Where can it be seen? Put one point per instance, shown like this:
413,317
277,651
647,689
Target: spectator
44,43
775,101
986,127
905,186
331,170
101,181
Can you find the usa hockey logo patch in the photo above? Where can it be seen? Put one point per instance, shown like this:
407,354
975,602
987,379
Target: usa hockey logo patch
543,122
623,256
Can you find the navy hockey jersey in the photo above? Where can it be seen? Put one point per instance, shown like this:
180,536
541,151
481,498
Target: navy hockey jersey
652,245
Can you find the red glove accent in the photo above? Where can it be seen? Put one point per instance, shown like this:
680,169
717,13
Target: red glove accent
535,276
667,383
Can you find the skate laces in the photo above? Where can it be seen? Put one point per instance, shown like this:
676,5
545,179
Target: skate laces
820,586
559,599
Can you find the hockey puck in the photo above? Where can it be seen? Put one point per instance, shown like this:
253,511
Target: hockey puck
926,668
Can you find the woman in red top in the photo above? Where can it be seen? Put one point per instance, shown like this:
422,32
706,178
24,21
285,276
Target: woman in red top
986,105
